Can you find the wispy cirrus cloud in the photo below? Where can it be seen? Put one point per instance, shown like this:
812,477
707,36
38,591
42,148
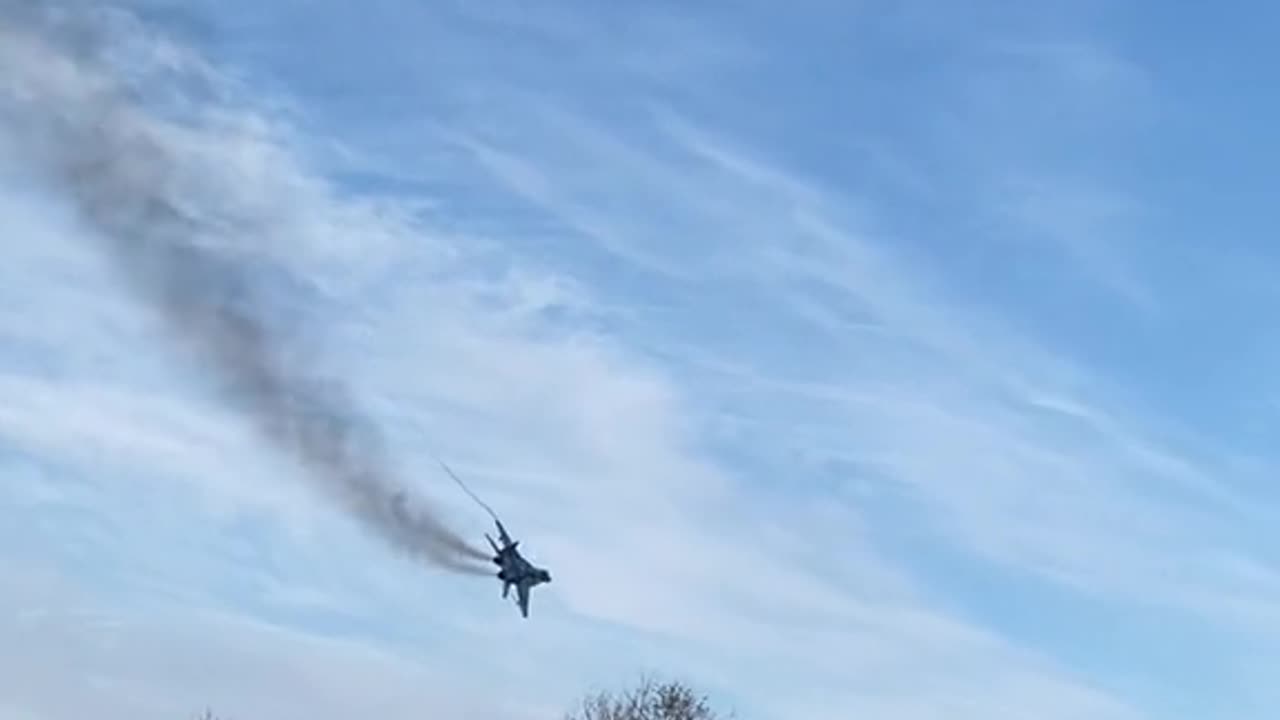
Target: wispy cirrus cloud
987,410
762,425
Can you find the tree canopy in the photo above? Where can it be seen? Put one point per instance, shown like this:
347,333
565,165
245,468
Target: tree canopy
649,700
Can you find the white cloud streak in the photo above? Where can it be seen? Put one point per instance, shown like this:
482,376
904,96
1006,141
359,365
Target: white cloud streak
816,345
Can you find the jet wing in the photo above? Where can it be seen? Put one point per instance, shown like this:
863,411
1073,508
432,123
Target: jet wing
522,597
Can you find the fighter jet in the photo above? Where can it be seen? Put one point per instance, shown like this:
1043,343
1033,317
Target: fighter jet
515,570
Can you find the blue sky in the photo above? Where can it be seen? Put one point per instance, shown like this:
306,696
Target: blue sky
883,359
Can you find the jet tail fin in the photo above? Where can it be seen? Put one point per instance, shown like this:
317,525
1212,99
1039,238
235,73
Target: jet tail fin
502,532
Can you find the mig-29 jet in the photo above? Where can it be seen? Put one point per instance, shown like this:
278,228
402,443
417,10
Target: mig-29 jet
515,570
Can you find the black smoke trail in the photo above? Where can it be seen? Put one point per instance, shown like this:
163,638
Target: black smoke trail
181,246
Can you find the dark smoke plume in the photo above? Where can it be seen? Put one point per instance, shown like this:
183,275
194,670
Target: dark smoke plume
183,249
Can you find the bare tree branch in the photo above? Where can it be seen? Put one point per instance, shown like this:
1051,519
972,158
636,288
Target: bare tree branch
650,699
